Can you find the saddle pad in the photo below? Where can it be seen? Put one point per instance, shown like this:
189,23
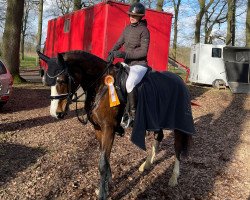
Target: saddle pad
163,103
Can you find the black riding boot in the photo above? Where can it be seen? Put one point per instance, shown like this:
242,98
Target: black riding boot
132,99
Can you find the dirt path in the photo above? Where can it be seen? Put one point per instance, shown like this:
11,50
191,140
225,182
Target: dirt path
42,158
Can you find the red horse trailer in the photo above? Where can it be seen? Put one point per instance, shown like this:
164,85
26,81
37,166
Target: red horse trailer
95,30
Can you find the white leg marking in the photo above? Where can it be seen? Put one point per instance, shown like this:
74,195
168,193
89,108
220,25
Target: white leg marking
176,172
97,192
54,102
150,159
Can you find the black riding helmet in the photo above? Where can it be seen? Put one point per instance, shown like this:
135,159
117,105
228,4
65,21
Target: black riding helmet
137,9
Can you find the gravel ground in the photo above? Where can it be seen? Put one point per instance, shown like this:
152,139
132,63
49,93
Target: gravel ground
43,158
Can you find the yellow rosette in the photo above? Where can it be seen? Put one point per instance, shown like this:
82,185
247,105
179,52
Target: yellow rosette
113,98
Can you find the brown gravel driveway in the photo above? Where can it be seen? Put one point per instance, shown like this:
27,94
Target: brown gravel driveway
43,158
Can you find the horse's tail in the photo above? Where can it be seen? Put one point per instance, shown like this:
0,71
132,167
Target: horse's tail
182,143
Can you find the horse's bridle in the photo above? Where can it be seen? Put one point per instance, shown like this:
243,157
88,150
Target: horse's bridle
70,94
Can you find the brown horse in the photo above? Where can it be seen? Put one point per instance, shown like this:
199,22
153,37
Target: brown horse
77,68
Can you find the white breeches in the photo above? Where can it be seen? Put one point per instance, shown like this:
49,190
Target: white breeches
136,74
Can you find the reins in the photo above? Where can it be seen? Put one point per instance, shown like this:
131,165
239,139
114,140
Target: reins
100,76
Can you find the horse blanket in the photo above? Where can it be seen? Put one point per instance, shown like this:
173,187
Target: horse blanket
163,103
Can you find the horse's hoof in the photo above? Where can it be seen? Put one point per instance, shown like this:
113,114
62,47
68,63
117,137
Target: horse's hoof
144,166
119,130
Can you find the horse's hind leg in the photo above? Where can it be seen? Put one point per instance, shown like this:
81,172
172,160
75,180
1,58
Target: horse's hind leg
181,145
150,159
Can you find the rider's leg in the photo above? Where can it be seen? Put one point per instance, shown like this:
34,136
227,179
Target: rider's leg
136,74
132,99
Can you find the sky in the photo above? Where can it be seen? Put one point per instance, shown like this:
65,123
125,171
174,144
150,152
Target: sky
187,20
187,17
186,24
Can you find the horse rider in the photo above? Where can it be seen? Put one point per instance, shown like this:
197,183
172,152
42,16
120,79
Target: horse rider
135,38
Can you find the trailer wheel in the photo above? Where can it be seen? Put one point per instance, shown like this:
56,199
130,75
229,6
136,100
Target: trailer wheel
219,84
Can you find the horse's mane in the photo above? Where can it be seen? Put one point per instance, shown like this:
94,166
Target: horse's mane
83,56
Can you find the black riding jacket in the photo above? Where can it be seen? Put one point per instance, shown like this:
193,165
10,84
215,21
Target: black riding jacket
135,39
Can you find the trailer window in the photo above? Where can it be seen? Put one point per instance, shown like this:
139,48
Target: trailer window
66,25
216,52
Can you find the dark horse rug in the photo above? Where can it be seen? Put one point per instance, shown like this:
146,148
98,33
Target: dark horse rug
163,103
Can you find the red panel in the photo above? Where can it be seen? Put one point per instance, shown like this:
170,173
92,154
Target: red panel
97,28
159,24
49,43
98,31
77,26
117,20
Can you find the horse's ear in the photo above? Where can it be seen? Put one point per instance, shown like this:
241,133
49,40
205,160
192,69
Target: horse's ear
60,58
42,56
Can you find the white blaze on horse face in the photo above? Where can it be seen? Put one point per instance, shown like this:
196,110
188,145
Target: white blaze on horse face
54,102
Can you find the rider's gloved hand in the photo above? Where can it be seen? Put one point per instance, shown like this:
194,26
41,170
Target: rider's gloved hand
119,54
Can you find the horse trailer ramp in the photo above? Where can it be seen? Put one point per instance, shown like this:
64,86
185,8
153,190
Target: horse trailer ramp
237,67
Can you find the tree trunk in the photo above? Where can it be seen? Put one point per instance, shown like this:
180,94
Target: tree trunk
77,5
159,5
22,46
11,37
134,1
40,28
230,38
214,16
176,14
199,16
24,26
248,25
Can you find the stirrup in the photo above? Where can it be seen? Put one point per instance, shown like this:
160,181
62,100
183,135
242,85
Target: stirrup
127,121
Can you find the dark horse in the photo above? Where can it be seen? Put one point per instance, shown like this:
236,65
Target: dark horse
77,68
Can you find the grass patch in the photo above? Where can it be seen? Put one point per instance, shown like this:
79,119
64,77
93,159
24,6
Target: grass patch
177,71
29,62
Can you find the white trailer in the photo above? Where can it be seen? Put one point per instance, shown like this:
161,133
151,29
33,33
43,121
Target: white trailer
207,65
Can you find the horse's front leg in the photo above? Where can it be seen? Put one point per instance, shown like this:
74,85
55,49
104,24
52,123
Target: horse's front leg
150,159
106,139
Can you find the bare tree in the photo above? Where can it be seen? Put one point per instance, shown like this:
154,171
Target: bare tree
248,25
176,4
77,4
147,3
215,15
134,1
199,16
3,5
230,38
11,36
27,8
62,7
159,5
40,28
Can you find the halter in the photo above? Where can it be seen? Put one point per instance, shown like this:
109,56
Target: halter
55,75
70,94
67,95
